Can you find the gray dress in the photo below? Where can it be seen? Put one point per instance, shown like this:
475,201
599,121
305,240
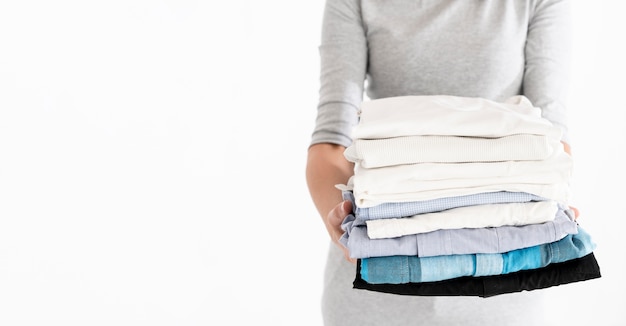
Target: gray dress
480,48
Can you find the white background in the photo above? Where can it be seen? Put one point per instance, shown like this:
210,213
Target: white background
152,161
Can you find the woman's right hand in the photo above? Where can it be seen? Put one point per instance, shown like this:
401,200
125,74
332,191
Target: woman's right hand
333,225
326,167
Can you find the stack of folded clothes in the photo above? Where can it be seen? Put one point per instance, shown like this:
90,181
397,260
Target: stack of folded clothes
461,196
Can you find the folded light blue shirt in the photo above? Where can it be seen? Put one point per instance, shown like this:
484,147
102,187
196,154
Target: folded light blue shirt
457,241
395,210
412,269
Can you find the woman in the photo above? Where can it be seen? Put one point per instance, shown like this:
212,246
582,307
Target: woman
477,48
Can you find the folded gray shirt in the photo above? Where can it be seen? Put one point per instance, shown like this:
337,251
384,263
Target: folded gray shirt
457,241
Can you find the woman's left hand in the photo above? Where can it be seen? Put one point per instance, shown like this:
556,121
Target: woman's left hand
568,150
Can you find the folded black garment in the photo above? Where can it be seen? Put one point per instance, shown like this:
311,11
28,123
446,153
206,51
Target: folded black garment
576,270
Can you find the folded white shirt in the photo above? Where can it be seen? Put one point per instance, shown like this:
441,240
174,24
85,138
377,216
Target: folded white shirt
372,153
434,176
450,115
559,192
477,216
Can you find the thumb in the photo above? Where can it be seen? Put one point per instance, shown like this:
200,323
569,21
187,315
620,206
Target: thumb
338,214
346,207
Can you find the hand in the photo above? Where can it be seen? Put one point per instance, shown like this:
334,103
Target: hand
576,212
568,150
333,225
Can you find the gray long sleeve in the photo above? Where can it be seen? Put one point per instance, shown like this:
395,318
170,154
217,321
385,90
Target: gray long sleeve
477,48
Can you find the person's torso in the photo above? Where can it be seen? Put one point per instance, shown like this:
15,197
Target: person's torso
465,48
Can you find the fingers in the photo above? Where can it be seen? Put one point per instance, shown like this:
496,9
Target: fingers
333,223
336,217
576,212
346,254
567,148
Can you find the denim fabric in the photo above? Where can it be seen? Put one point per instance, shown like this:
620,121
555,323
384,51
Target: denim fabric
405,269
576,270
457,241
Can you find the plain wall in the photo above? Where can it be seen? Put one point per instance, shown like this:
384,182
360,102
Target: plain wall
152,161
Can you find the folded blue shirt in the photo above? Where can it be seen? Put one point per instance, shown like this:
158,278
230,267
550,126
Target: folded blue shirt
405,269
457,241
403,209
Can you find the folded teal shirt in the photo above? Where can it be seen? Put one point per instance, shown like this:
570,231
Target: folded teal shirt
406,269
